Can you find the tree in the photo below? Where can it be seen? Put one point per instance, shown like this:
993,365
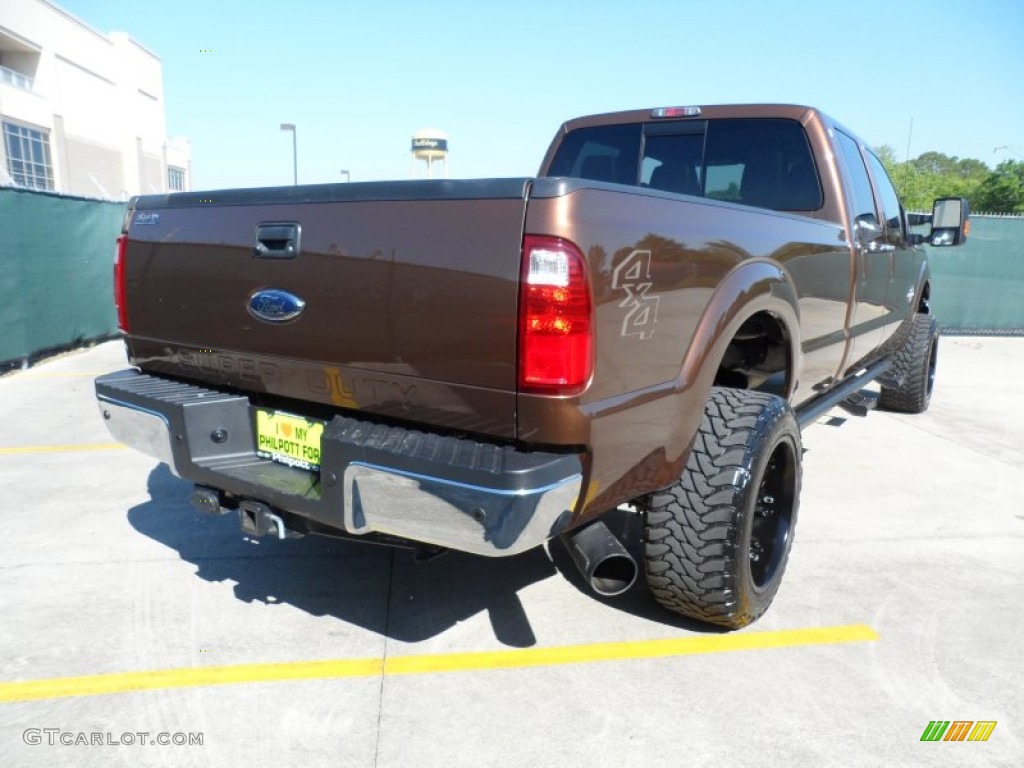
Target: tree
1002,191
932,175
969,168
935,163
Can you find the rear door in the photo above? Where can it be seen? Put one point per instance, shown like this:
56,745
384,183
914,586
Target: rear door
906,260
873,253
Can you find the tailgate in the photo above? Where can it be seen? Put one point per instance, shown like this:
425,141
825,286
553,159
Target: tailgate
410,294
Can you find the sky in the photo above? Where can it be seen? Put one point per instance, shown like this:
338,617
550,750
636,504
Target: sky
359,78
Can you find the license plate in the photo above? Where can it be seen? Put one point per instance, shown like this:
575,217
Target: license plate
288,439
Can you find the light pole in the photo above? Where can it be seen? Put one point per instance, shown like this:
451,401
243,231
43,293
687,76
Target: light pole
347,175
295,151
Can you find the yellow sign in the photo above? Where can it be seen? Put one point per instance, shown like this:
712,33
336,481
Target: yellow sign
288,439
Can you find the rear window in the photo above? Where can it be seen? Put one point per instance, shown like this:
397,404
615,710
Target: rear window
761,162
601,153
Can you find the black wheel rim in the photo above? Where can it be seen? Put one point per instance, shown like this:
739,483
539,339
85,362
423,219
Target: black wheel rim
773,516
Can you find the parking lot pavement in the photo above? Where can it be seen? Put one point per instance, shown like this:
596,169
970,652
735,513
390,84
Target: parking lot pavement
125,612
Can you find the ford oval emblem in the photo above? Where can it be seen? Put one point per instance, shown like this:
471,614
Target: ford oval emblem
275,305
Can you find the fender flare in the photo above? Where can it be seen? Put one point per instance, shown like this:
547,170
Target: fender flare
756,285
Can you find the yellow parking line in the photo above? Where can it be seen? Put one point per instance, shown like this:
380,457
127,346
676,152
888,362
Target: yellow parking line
94,685
641,649
62,448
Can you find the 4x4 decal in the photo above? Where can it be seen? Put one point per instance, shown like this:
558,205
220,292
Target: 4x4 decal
633,276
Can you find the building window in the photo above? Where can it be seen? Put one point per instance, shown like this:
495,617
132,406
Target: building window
15,78
28,156
175,179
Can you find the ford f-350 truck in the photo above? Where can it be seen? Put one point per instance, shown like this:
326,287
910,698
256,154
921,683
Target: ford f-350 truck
485,365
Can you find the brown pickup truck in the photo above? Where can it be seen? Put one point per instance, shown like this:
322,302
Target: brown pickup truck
484,365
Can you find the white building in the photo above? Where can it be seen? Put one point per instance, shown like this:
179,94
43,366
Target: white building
82,113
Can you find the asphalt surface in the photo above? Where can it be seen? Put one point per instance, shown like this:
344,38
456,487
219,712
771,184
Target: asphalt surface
908,555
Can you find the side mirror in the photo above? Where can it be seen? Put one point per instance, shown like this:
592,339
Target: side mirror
951,221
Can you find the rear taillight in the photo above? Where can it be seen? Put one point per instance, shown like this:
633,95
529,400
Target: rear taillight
119,299
556,325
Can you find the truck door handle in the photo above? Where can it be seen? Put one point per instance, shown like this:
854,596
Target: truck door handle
278,240
876,247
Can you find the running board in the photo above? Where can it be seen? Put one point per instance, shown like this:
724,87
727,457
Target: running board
858,404
810,411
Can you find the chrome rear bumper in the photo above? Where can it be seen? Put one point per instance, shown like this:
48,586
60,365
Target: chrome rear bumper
450,492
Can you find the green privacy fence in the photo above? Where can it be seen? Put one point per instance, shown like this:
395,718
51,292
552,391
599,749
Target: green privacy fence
56,256
56,253
978,288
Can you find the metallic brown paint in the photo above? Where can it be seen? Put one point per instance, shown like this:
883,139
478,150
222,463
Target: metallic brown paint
411,307
713,265
404,314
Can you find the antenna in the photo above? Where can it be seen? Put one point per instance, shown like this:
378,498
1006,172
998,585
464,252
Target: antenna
906,163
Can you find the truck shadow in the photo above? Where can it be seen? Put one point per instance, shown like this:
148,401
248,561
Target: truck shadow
377,588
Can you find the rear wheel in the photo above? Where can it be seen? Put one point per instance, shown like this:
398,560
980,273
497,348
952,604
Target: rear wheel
717,541
914,364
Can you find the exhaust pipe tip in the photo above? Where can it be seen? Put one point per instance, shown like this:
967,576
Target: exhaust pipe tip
602,560
613,576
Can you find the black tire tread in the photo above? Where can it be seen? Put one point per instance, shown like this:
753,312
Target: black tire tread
691,557
911,363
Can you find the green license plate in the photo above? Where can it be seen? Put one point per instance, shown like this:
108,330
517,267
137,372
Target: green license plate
288,439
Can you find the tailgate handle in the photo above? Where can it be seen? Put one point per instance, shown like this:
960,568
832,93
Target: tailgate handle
277,241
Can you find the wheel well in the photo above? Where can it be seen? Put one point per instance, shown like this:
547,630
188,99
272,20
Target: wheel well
924,306
757,357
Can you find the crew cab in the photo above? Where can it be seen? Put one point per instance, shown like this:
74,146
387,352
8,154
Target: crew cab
486,365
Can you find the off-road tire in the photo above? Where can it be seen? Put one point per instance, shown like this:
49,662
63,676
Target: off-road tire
915,362
738,494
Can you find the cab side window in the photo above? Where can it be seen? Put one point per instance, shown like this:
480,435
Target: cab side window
863,201
891,210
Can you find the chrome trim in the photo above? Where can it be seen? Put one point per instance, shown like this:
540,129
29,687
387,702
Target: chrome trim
478,498
146,431
484,521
